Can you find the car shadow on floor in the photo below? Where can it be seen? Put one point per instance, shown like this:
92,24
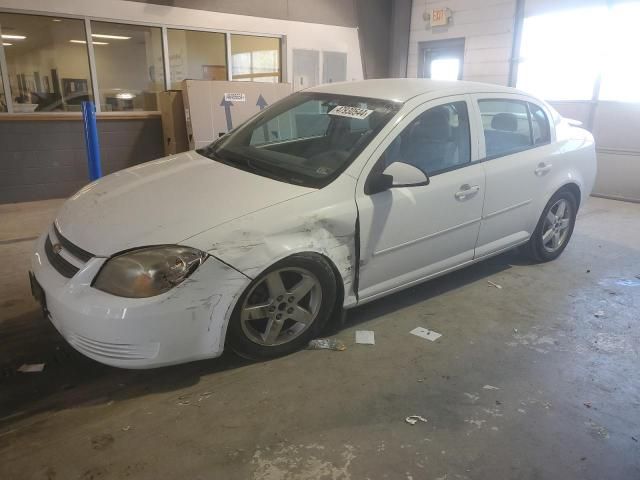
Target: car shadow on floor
71,380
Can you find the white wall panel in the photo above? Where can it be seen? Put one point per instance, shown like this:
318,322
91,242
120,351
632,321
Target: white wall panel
486,26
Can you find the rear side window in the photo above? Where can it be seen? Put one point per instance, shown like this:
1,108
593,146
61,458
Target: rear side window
506,126
539,125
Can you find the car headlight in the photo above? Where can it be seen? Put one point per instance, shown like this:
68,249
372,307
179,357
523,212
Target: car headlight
149,271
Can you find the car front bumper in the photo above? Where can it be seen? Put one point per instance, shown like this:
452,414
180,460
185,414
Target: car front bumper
184,324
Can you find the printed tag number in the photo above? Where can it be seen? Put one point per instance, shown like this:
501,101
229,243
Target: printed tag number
351,112
234,97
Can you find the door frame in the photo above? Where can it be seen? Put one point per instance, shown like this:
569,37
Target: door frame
424,49
365,252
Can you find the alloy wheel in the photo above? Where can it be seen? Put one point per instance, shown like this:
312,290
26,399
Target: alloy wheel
281,306
556,226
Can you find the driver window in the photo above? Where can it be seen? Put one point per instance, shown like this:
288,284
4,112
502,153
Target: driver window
436,141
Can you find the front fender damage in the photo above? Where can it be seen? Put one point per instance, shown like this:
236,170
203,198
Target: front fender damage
253,244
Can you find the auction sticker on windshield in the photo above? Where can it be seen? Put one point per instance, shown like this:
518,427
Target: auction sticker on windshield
351,112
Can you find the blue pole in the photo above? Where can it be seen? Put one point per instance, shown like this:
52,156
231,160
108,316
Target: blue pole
91,140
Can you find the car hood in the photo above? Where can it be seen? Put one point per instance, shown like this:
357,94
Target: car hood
165,202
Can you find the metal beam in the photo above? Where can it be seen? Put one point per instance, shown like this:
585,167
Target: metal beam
92,65
227,42
5,78
165,56
514,61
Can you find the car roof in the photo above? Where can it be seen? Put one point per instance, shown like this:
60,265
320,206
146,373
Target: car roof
402,89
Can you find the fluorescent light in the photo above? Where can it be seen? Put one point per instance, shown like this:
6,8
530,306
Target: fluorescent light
7,44
124,96
84,41
113,37
14,37
56,20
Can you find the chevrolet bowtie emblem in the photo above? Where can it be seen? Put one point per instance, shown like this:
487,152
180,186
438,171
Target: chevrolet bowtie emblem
57,248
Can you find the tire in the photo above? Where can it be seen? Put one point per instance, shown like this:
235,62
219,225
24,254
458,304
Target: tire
553,231
277,317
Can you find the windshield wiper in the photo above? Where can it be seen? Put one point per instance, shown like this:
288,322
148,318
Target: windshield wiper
247,164
270,173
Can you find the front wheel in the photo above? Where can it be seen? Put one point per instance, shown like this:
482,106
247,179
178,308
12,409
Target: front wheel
284,308
554,228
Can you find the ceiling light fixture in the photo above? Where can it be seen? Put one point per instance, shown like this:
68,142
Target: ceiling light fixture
7,44
56,20
84,42
113,37
14,37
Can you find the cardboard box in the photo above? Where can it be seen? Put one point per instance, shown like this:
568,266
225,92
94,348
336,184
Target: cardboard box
213,108
174,127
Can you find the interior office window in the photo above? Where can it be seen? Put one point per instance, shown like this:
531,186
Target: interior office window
129,65
255,59
560,53
621,70
539,125
437,140
196,55
506,126
47,62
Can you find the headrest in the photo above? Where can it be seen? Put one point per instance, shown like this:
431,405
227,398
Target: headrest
507,122
434,124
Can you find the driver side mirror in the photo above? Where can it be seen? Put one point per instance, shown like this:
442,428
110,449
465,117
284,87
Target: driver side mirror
398,174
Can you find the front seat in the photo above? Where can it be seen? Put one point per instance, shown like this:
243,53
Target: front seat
430,145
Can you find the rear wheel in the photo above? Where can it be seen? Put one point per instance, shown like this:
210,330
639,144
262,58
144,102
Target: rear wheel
554,228
284,308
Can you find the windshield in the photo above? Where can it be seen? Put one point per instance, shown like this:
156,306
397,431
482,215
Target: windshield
307,138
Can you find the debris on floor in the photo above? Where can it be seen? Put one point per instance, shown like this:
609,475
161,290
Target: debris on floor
425,333
599,314
186,399
597,431
326,344
31,367
126,428
474,397
493,284
490,387
587,404
413,419
365,337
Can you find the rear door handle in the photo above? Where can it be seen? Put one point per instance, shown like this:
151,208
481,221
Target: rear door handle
466,191
543,168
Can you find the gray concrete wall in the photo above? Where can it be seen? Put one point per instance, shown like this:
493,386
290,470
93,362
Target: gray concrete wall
47,159
374,26
399,37
328,12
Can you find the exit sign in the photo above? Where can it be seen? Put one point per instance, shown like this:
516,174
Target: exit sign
440,16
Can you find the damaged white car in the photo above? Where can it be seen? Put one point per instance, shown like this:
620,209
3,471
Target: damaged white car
328,199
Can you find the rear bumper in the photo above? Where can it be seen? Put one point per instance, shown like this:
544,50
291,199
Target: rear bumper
187,323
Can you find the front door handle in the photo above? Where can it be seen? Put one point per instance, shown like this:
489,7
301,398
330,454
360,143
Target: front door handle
466,191
542,169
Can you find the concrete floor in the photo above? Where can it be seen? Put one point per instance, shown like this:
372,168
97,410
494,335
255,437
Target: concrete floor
566,402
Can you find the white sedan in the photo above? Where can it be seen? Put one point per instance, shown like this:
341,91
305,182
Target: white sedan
330,198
